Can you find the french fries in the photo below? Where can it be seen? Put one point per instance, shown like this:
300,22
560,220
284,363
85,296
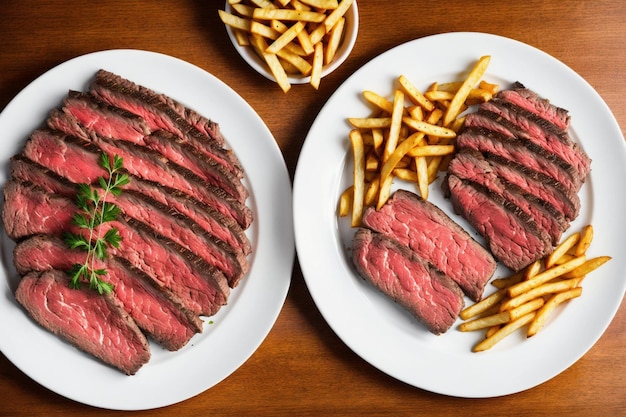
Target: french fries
409,138
528,297
298,36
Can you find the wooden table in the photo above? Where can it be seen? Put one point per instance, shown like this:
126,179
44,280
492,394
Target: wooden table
303,368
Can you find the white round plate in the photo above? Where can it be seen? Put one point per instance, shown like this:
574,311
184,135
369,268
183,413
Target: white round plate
241,326
378,330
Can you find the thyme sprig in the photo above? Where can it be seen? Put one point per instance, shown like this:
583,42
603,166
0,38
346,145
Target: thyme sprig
94,211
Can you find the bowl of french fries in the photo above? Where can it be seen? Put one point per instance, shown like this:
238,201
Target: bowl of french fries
292,41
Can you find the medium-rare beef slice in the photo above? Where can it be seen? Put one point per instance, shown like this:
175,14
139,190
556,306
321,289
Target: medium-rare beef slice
93,323
527,127
211,221
175,226
523,97
423,290
159,111
73,157
435,237
114,123
30,210
476,135
157,311
216,177
512,236
471,165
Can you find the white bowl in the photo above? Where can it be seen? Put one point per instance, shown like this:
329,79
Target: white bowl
351,29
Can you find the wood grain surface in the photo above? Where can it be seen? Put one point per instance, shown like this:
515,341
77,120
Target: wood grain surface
303,368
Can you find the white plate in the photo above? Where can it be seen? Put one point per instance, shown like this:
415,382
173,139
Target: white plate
241,326
378,330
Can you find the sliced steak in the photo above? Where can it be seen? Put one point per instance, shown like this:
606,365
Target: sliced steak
427,293
114,123
216,177
522,152
157,311
471,165
211,221
435,237
160,112
527,99
525,125
175,226
77,158
30,210
95,324
512,235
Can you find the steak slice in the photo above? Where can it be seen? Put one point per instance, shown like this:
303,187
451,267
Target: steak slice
157,311
427,293
527,126
511,234
527,99
435,237
179,228
476,136
29,210
110,122
93,323
471,165
73,157
160,112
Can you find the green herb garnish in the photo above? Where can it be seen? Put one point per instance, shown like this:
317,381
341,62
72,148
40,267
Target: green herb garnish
95,211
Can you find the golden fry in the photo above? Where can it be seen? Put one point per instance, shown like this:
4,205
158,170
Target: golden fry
287,14
359,176
483,305
561,249
345,201
503,332
544,312
316,68
429,129
414,94
587,267
394,127
461,95
586,236
545,276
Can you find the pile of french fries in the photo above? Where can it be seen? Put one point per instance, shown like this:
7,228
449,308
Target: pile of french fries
528,298
408,137
292,36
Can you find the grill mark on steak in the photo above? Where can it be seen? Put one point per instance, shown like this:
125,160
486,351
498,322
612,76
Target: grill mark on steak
427,293
435,237
114,123
211,221
156,310
164,222
29,210
75,157
511,234
471,165
95,324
